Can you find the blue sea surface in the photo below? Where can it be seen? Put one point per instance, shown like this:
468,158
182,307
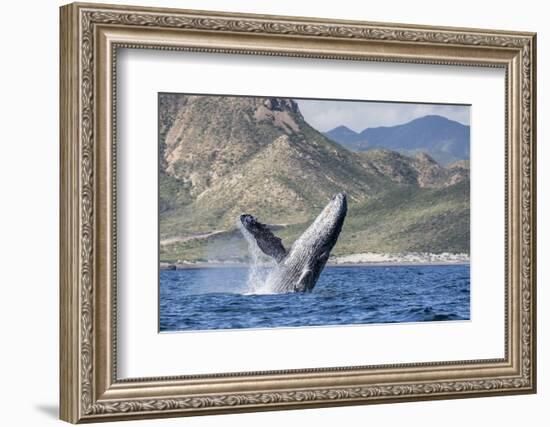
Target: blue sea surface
218,298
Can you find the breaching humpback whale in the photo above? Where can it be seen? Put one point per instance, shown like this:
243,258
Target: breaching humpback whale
299,268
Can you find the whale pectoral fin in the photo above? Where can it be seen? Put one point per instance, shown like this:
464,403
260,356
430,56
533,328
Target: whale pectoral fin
268,243
272,246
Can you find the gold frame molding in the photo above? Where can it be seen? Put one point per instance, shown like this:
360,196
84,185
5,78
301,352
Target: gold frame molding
90,36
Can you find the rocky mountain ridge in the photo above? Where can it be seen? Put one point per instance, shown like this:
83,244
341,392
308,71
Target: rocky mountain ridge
420,169
445,140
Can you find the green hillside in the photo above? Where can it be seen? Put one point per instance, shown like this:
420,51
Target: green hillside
224,156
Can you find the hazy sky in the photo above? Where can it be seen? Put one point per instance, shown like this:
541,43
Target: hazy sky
358,115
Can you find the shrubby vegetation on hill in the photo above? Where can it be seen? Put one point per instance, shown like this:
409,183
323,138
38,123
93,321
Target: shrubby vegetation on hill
224,156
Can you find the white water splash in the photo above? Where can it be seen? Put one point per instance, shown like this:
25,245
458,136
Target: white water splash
259,265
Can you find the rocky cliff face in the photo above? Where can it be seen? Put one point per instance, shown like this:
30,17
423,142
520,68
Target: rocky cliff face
207,137
221,156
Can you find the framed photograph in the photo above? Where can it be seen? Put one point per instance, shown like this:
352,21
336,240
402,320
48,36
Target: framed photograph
267,212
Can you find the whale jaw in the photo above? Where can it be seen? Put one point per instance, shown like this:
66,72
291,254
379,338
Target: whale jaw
299,269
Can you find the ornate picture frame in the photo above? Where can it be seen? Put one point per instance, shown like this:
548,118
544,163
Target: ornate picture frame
90,37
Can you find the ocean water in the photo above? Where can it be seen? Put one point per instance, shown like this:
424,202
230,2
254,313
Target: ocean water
222,298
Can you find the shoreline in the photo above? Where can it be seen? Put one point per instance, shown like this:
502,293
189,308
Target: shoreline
213,265
364,259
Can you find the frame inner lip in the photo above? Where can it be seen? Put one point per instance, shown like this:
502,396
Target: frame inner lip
286,372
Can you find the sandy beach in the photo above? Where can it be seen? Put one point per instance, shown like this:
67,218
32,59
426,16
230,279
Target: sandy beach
367,259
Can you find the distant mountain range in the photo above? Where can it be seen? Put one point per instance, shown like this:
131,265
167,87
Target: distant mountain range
445,140
221,156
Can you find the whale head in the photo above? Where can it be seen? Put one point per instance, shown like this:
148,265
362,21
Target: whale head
321,236
310,252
